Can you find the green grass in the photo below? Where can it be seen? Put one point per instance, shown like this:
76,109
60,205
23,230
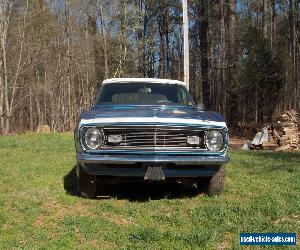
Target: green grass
262,194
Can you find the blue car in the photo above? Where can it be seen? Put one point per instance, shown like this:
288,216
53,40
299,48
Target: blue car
150,130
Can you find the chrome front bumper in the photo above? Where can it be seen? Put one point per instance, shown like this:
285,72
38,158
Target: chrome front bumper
132,159
137,165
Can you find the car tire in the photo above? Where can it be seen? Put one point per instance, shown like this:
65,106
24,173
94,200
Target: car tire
213,185
86,184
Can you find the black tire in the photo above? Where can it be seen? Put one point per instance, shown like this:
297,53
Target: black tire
213,185
86,184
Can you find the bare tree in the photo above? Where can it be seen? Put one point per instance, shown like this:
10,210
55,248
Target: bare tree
104,38
54,55
5,13
10,85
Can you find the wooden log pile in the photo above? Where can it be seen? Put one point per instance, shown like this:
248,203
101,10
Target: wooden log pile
283,135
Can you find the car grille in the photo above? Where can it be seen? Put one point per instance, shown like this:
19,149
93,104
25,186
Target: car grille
153,138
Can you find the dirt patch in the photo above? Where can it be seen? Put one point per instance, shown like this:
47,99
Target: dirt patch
58,211
105,245
79,234
40,221
61,211
225,244
117,219
295,218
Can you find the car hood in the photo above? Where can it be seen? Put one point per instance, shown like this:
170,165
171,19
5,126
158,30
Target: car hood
151,115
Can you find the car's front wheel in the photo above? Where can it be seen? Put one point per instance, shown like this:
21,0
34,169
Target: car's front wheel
86,183
212,185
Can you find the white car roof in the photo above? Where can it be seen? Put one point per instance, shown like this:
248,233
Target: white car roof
142,80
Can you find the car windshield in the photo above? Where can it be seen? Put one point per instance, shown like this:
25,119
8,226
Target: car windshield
144,94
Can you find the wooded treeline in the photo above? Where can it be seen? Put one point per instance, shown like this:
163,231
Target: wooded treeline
244,55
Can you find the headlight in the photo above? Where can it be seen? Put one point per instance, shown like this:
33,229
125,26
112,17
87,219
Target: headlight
93,138
214,140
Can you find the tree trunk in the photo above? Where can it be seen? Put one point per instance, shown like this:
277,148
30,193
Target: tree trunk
232,104
30,107
4,24
1,100
68,68
223,59
264,21
272,25
294,49
203,36
5,78
104,40
211,62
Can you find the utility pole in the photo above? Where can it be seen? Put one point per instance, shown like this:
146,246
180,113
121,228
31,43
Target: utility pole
186,43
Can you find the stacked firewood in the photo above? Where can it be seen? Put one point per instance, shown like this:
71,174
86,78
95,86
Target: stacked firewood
283,135
272,143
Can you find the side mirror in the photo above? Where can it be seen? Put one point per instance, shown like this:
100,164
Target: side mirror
200,106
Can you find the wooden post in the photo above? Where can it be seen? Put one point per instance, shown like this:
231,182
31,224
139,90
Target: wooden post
186,42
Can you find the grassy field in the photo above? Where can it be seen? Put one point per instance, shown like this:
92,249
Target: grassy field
38,208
